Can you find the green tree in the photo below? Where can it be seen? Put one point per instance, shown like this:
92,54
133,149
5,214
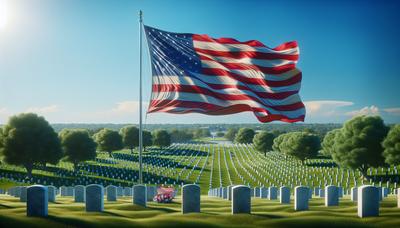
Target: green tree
130,137
263,141
231,134
391,146
328,142
108,140
245,135
277,142
301,145
161,138
77,145
29,140
147,139
220,134
358,144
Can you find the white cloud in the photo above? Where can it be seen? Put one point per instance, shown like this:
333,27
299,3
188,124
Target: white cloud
325,108
44,110
392,111
367,110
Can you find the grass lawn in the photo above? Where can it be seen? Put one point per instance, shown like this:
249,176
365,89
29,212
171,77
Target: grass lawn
215,213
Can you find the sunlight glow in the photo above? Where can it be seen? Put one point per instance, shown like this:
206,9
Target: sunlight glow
3,13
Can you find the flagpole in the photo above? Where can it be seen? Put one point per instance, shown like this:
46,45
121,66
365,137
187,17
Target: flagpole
140,99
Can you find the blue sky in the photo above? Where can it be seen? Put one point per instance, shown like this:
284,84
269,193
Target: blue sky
77,61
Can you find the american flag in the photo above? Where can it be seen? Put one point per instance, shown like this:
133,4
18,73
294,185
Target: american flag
198,74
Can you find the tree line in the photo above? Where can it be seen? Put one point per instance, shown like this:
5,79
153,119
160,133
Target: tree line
29,140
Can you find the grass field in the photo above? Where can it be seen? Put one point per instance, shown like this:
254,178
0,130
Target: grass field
214,213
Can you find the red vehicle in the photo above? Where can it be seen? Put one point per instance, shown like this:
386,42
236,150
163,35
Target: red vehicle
164,195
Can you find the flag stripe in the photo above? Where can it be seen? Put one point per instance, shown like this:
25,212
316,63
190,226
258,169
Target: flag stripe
288,104
248,54
221,93
215,109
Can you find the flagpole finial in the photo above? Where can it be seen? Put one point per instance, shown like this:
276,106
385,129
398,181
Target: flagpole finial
140,16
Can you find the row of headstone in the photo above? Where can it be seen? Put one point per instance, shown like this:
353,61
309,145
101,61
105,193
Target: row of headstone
367,197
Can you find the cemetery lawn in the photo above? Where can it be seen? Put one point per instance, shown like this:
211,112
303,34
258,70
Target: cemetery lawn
215,213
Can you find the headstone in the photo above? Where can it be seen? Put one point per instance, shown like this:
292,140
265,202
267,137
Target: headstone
37,201
127,191
224,193
322,193
284,193
52,192
151,192
257,192
63,191
94,198
241,199
331,196
264,193
140,195
272,193
80,194
368,201
191,198
23,194
230,192
353,196
301,198
70,191
120,191
340,192
111,193
398,197
380,193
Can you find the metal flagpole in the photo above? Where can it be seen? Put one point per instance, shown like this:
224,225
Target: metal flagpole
140,99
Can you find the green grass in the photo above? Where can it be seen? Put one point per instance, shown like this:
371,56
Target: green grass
214,213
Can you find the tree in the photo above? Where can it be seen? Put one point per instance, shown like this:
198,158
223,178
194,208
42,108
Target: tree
329,141
201,133
108,140
181,135
220,134
277,142
161,138
358,143
391,146
130,137
147,139
231,134
263,142
29,140
245,135
77,145
301,145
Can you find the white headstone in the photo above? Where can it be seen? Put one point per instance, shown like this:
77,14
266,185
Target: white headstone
111,193
23,193
151,192
368,201
284,193
37,201
272,193
94,198
80,193
331,196
264,193
51,193
353,196
241,199
301,198
190,198
140,195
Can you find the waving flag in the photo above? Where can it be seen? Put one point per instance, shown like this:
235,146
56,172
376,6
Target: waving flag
198,74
